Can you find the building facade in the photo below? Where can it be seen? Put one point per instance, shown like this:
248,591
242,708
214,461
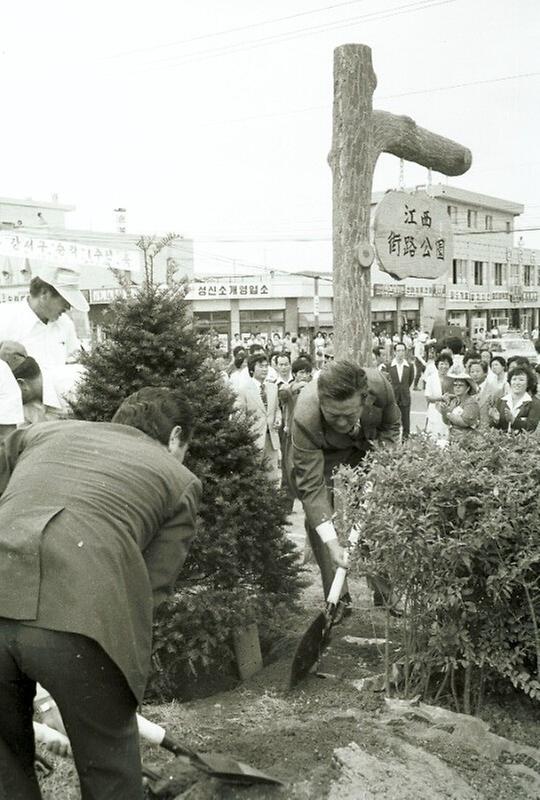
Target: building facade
492,281
33,231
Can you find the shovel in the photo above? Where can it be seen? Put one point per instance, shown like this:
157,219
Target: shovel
223,767
316,638
216,765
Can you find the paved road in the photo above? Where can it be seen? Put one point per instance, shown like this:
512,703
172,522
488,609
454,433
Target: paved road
418,411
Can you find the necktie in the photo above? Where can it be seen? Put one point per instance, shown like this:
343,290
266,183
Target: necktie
264,398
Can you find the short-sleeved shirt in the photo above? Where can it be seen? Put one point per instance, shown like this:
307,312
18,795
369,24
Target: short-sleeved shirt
50,343
11,407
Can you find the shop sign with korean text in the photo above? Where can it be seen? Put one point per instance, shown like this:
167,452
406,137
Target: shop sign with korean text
228,288
413,235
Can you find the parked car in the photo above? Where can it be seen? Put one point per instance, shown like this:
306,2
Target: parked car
508,346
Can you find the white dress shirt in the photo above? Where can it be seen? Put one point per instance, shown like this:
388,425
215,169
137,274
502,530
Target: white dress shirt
50,343
11,407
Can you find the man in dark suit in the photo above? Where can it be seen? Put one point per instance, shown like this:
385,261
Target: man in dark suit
336,420
401,376
96,520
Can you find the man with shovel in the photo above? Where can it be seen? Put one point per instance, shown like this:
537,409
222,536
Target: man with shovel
336,420
96,520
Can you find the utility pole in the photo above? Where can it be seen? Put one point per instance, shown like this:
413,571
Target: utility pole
360,135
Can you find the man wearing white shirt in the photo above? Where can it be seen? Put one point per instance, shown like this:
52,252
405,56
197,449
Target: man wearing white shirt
40,323
11,408
401,376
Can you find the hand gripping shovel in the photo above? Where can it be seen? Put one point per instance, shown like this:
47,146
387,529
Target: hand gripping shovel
316,638
223,767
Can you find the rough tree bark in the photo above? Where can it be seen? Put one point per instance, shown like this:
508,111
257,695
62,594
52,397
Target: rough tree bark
360,135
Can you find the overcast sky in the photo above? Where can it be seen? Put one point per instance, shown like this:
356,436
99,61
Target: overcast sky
214,119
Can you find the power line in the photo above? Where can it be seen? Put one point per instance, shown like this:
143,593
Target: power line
237,29
328,106
420,5
462,85
483,233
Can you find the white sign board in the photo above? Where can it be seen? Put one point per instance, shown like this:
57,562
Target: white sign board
413,235
58,251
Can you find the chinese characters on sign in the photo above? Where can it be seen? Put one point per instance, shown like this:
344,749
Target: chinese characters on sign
68,252
413,235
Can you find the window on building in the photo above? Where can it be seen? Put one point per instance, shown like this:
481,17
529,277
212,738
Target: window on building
452,213
489,222
478,273
218,321
262,321
498,274
472,218
538,276
527,275
459,270
514,274
508,226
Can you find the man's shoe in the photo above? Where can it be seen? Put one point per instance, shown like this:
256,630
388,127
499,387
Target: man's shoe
343,609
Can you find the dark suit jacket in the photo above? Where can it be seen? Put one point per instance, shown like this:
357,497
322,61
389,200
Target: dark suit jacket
96,520
402,388
316,449
527,419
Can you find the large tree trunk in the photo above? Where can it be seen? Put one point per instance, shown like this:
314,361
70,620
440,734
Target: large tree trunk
359,136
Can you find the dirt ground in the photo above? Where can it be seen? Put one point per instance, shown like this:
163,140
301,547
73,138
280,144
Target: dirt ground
335,736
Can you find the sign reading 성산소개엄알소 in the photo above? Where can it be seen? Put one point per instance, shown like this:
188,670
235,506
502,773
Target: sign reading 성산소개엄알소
413,235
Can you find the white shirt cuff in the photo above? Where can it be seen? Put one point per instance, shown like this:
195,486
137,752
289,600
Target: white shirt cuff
326,531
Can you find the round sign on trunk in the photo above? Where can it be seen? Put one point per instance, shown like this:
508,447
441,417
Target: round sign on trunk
413,235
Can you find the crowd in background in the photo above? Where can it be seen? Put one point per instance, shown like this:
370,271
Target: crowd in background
465,385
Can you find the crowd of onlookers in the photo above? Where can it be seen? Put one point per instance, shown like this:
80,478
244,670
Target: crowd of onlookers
467,388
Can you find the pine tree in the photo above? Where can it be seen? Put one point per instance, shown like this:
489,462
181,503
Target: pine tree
241,567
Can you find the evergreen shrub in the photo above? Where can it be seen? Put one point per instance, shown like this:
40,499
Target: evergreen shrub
242,568
457,532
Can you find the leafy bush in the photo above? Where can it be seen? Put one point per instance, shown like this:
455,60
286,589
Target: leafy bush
457,532
241,566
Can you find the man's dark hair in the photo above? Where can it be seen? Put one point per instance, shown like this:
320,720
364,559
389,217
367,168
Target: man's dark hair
515,361
397,344
301,363
239,348
37,286
28,369
255,348
455,344
478,361
286,355
256,358
340,380
156,410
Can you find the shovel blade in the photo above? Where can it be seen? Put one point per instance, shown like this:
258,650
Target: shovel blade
228,769
309,649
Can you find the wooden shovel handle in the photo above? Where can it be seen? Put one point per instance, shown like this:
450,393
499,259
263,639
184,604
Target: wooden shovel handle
337,585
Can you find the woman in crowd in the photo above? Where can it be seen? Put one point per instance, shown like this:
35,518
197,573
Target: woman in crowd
518,409
498,368
460,410
437,385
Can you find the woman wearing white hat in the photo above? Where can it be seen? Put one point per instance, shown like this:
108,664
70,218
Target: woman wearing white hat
460,410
